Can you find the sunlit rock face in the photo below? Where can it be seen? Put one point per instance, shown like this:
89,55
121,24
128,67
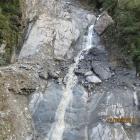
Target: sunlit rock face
57,26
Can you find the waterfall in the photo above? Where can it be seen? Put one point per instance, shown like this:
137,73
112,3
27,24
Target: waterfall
57,129
90,37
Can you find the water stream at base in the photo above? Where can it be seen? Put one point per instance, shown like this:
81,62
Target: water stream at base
57,129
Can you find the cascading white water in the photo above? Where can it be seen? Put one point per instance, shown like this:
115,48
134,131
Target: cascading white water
57,129
90,37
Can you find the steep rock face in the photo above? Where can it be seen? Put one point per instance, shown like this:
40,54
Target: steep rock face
13,107
15,117
112,112
54,28
57,27
57,31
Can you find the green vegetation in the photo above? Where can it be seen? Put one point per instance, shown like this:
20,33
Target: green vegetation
125,32
10,27
127,25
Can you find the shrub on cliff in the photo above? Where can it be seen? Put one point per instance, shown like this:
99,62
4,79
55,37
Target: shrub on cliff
9,26
125,32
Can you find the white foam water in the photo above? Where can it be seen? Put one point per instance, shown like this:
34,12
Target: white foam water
57,129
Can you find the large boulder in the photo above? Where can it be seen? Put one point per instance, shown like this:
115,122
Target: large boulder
101,69
104,21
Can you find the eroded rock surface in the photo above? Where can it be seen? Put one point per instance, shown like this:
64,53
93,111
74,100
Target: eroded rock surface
54,28
78,107
114,99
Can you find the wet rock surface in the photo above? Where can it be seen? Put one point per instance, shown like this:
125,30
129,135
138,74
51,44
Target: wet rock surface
43,107
114,99
79,108
89,111
75,116
96,62
53,29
